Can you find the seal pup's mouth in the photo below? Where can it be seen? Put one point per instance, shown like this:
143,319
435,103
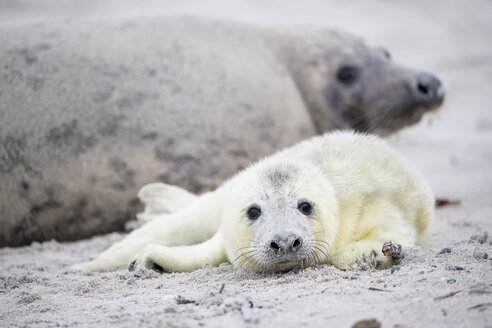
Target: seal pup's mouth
287,261
287,264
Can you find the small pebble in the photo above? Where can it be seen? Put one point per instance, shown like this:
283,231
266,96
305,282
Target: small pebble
395,268
445,250
479,255
183,300
160,286
130,280
483,238
454,267
451,281
355,276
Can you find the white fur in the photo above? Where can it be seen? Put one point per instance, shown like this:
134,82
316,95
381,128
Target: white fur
365,194
161,198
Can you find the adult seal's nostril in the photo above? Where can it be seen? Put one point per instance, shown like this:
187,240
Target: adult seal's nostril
429,88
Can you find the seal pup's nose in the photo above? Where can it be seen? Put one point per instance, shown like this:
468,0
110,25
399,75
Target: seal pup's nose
429,89
286,245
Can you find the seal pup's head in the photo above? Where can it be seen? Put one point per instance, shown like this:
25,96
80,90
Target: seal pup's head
347,83
280,217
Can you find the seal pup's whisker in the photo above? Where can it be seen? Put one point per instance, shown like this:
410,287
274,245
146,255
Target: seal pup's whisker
243,257
245,247
316,259
313,257
321,243
261,183
310,258
252,264
248,256
260,195
315,251
299,176
321,251
246,266
248,253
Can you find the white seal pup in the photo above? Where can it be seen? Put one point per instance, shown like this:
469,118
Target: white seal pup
331,199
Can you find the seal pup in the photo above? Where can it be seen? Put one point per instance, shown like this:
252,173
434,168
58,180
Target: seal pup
91,112
334,199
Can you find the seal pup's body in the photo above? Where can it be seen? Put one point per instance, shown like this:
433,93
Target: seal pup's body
331,199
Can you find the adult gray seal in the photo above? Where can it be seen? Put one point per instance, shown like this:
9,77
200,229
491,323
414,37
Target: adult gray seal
333,199
91,112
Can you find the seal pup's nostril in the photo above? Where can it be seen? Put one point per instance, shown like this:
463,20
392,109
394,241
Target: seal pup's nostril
285,246
296,244
274,246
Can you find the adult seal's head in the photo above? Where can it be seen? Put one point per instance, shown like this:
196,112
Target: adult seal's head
278,218
348,84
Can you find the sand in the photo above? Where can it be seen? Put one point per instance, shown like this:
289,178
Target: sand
40,291
452,149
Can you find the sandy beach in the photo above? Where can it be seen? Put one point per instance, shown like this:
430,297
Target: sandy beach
446,284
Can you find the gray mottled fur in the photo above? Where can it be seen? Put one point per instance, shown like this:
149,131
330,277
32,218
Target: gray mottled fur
89,113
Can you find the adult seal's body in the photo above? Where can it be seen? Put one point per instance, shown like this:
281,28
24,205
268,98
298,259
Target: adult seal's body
332,199
91,112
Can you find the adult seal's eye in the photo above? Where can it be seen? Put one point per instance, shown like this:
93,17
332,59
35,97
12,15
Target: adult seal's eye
347,74
254,212
305,208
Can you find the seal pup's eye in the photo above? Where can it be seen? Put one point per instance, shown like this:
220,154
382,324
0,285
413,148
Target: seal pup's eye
347,74
305,208
254,212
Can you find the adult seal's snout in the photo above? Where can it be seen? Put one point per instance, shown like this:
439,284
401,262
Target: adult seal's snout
429,89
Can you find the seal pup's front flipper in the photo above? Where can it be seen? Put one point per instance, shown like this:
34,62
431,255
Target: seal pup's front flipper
160,198
379,221
184,258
